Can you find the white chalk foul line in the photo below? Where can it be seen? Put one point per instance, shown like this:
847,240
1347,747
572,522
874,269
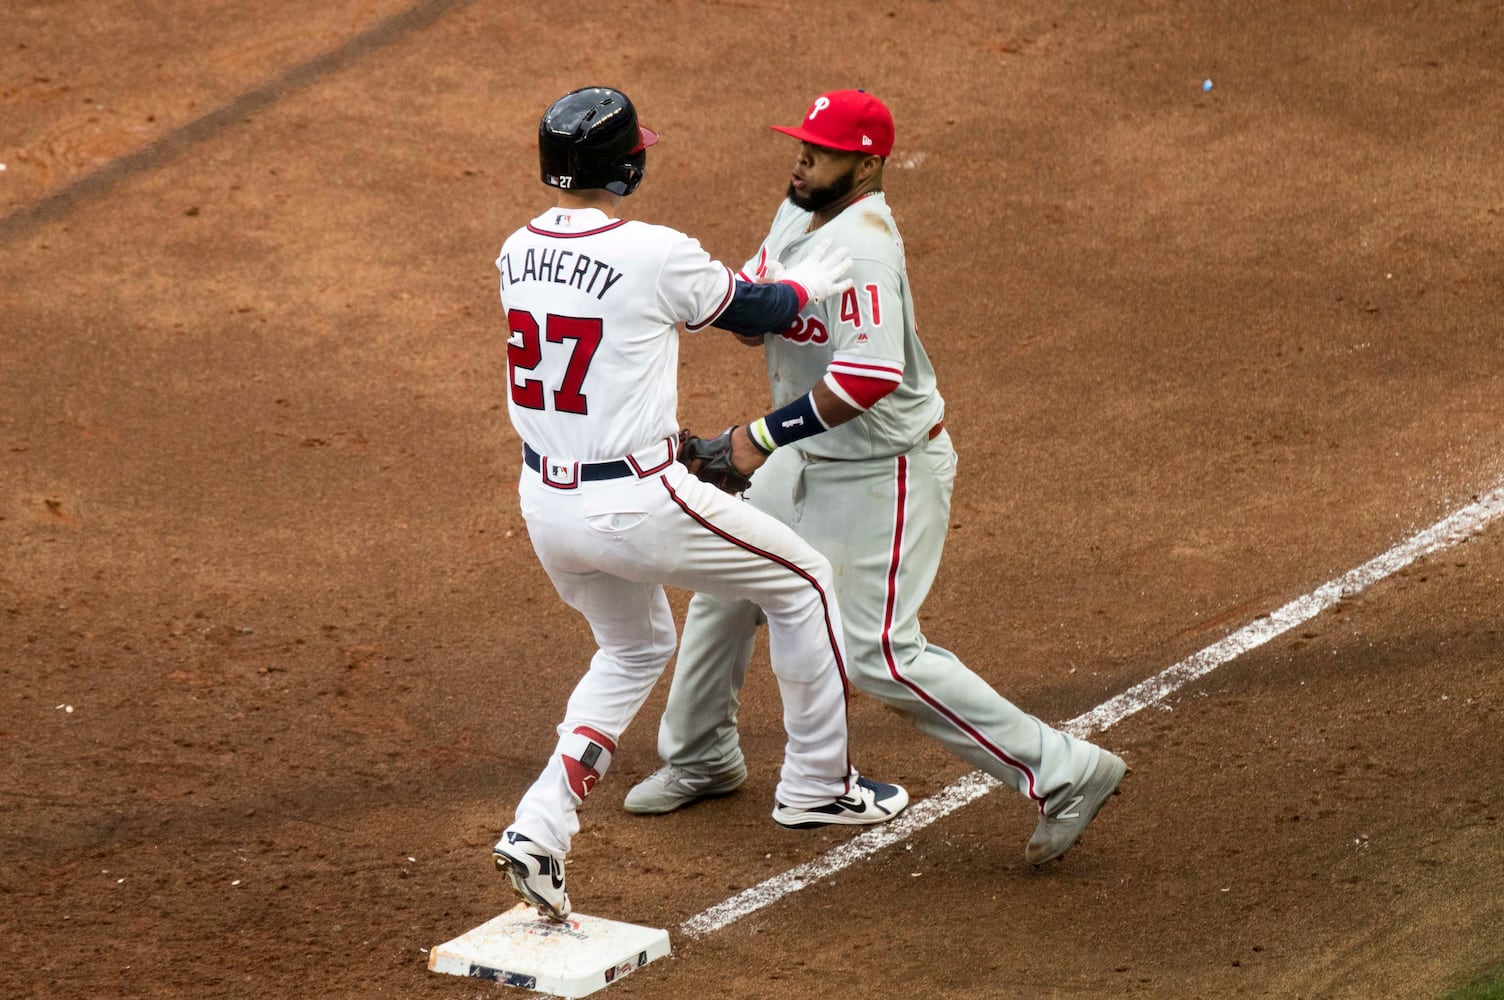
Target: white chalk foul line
1455,527
1450,530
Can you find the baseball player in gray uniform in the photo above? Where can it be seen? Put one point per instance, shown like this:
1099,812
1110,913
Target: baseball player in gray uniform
856,459
593,308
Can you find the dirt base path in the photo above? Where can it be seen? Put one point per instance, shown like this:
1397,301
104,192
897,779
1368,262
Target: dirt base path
276,659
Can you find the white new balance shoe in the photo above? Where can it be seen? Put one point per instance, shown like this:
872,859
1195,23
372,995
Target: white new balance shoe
536,873
1057,831
671,787
868,802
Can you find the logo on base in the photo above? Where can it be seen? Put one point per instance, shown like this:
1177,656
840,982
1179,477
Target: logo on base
624,968
546,928
503,977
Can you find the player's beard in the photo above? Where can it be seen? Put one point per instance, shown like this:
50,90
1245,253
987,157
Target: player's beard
817,199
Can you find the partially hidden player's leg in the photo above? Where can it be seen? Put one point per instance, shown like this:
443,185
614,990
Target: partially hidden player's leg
697,736
699,721
883,523
739,553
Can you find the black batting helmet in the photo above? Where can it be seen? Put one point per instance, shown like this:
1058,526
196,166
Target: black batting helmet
589,138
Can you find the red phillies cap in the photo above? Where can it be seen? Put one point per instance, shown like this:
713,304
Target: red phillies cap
852,120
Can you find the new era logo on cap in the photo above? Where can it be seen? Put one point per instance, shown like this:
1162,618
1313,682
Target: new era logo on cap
852,120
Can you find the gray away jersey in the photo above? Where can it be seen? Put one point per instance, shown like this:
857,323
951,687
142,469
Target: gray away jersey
867,331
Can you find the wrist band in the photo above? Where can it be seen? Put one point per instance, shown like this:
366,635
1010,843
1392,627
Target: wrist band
757,433
787,424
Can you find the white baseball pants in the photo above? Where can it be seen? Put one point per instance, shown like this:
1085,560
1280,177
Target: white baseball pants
609,547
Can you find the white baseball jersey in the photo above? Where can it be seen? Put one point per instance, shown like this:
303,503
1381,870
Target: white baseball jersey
867,332
593,307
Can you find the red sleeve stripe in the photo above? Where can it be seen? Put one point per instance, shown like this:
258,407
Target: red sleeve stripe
726,301
860,391
800,291
890,372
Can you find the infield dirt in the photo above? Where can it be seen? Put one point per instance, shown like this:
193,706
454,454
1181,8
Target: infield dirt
276,658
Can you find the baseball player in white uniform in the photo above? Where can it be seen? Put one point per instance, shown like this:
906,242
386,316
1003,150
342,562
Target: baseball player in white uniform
859,464
593,306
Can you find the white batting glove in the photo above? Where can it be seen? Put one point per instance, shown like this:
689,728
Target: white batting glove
822,274
771,271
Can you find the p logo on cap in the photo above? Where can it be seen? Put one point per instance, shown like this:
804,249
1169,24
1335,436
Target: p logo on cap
850,120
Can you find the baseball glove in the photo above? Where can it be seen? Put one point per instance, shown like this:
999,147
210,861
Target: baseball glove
710,461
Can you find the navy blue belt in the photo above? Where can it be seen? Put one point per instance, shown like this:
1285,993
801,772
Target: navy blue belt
589,471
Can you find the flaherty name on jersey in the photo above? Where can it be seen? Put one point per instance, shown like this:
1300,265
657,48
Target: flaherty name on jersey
562,267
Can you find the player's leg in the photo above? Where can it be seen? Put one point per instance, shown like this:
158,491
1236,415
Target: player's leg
697,736
699,719
883,523
633,628
733,551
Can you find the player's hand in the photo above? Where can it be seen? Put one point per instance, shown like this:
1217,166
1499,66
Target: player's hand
824,273
714,461
745,455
